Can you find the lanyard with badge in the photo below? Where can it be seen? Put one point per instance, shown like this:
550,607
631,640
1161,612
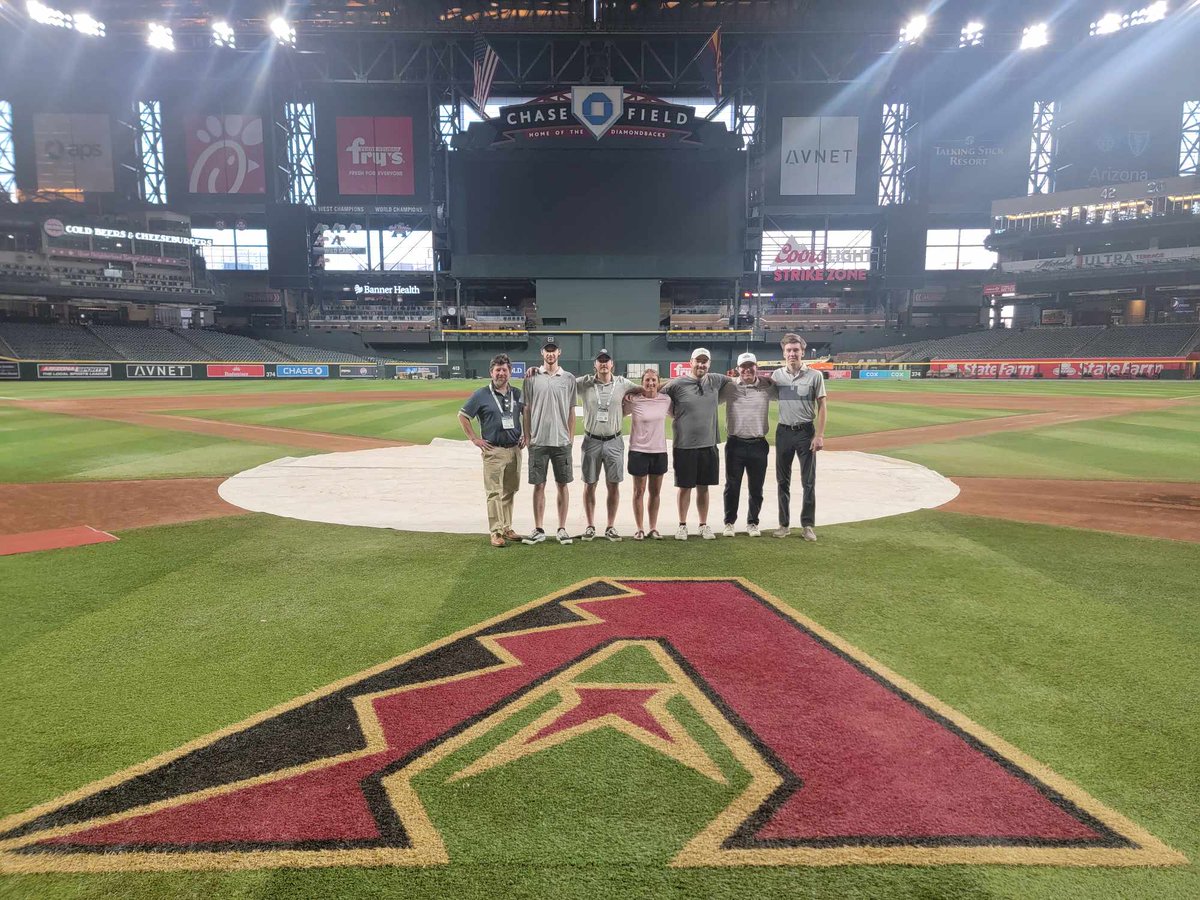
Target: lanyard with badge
508,421
603,403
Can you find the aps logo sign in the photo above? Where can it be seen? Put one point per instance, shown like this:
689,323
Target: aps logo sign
820,755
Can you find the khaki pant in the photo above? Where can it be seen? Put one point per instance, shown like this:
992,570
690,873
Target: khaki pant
501,478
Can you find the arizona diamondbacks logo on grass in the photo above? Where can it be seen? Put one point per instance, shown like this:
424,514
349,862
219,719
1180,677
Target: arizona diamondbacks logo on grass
792,747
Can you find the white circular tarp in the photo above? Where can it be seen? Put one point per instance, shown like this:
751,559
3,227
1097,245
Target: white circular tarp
439,487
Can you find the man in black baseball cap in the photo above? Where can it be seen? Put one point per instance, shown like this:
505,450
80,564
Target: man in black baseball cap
601,397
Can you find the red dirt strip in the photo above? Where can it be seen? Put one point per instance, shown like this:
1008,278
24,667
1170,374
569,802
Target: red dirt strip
1154,509
110,505
54,539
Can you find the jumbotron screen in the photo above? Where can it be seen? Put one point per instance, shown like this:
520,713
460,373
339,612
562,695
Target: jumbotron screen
598,213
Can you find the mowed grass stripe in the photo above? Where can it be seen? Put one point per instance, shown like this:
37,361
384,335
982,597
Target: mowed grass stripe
420,421
1153,446
1078,647
36,447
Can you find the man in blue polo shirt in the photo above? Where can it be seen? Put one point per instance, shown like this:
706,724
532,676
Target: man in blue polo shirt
498,407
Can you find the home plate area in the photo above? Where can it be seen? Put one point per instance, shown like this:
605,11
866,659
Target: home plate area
439,487
703,706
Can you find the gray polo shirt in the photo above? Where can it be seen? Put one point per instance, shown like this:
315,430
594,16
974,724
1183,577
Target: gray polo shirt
746,407
695,409
596,397
550,399
798,394
490,406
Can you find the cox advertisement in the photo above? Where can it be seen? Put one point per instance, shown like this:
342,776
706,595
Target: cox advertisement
884,374
285,370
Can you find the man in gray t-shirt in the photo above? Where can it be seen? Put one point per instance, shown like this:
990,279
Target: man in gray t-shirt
696,434
800,435
601,395
549,421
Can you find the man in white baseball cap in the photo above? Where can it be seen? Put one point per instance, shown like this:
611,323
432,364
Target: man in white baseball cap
747,401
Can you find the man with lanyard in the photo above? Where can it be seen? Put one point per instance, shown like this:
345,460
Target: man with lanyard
696,435
746,405
602,395
498,408
801,433
549,423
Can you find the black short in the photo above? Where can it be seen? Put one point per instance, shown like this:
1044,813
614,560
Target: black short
697,466
646,463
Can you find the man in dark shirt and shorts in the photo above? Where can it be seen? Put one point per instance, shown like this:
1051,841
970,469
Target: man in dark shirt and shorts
696,433
498,408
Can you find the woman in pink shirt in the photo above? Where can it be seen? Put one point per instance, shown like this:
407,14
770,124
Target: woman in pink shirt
648,413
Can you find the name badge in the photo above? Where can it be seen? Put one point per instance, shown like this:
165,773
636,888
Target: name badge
508,422
602,417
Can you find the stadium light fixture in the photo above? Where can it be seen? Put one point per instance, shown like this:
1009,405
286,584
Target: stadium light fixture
223,35
1112,22
1035,36
285,34
81,22
160,37
972,35
911,33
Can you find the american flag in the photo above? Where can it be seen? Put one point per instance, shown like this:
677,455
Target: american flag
485,62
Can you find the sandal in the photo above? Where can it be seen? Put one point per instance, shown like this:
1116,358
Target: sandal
639,535
654,535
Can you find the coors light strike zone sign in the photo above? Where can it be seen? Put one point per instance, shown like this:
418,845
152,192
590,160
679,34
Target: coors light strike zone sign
800,263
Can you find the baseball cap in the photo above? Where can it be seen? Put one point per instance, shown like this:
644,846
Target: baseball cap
550,344
747,358
701,351
604,354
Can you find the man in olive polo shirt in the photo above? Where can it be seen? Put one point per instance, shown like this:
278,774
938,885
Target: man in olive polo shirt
800,434
498,408
549,422
603,447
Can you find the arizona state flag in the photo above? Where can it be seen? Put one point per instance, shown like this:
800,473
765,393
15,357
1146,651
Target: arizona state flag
711,65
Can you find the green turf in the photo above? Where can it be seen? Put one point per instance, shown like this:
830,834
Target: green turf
1163,445
36,446
420,421
1078,647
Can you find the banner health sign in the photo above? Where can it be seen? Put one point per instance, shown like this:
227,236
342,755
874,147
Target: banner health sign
818,155
375,155
301,371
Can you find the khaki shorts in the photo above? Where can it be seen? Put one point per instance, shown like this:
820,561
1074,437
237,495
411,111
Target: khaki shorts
541,458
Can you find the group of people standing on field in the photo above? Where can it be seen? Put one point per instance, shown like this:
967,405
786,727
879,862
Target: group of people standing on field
542,419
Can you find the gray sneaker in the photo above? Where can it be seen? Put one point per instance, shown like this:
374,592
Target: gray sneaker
707,533
611,534
729,532
808,534
537,537
781,532
589,533
564,537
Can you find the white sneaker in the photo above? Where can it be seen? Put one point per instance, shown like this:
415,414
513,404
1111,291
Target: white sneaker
753,531
808,534
589,533
728,532
611,534
681,534
564,537
707,533
536,538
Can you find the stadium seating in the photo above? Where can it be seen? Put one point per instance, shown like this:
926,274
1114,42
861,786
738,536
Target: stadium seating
699,318
33,341
1043,343
312,354
148,344
1143,340
230,347
494,318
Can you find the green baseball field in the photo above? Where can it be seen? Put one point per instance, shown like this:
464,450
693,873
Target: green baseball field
991,698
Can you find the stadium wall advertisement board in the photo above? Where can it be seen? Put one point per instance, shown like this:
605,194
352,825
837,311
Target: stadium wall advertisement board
74,370
158,370
301,371
236,370
74,152
225,154
884,374
518,368
358,371
375,155
1066,368
10,371
818,155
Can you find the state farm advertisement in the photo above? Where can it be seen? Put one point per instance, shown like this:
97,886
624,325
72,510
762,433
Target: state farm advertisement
1074,368
375,155
233,370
